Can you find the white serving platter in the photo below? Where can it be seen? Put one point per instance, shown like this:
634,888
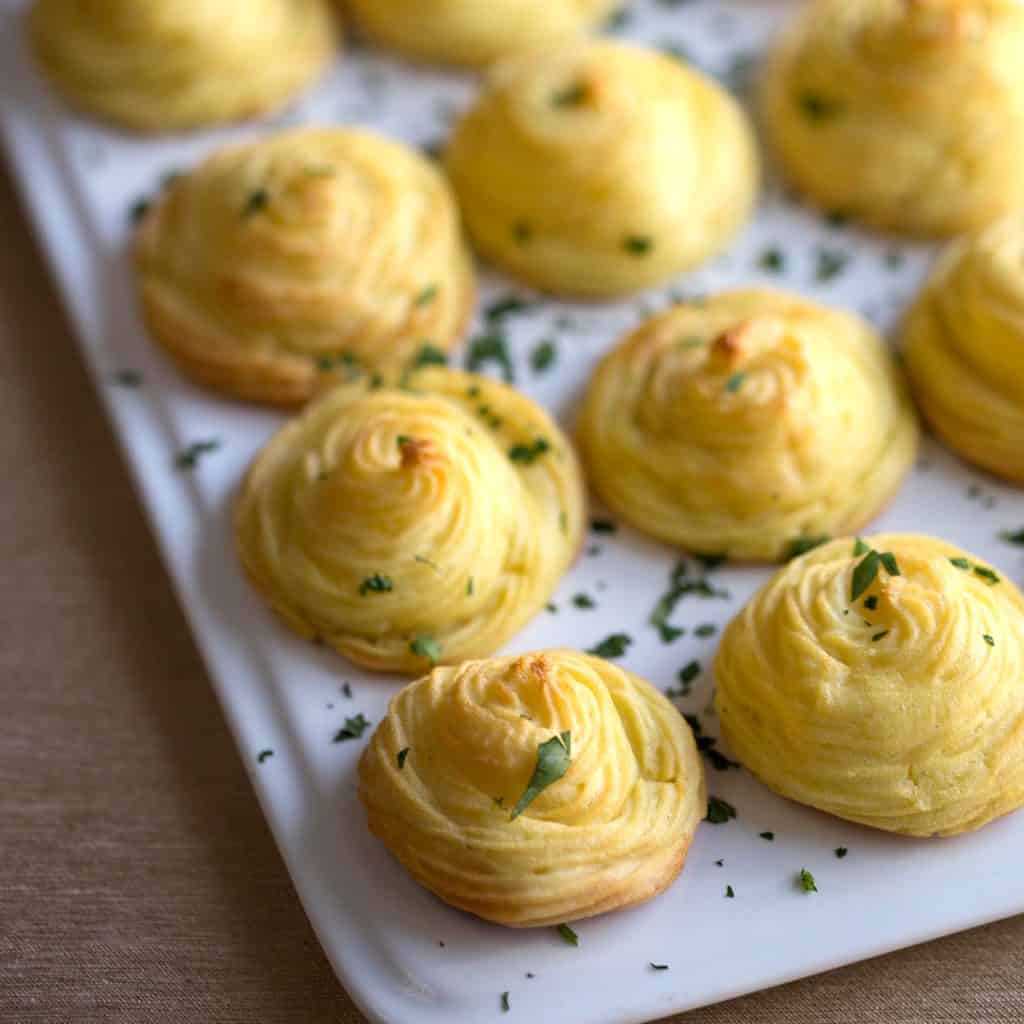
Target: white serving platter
403,955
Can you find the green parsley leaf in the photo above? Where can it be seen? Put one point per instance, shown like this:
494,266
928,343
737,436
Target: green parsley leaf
735,382
402,755
263,755
888,559
841,852
989,575
705,629
860,548
770,836
864,574
989,639
730,893
1012,536
354,728
543,356
429,355
613,646
806,881
689,672
375,584
960,563
603,526
719,811
425,646
829,263
139,209
637,245
801,545
569,935
490,348
681,586
529,453
552,763
469,587
511,304
816,107
584,601
426,296
571,96
504,1002
257,200
658,967
879,636
772,259
188,457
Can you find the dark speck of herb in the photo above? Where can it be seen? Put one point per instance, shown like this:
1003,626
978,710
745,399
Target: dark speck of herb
570,937
805,880
638,245
126,378
256,202
658,967
613,646
353,728
504,1002
263,755
719,811
425,646
188,457
841,852
730,893
543,356
402,755
768,836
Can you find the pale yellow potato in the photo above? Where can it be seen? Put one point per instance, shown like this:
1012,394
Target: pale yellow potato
612,831
168,65
964,348
904,709
278,258
740,424
474,33
428,518
599,169
905,114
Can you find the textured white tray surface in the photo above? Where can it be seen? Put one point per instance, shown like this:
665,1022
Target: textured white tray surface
381,931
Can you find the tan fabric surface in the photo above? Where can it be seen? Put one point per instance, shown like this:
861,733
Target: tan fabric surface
138,882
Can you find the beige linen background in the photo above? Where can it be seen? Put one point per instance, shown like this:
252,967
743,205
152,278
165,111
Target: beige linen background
138,882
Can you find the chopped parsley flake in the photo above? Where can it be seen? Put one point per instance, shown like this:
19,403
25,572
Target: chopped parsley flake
989,575
960,563
658,967
735,382
263,755
139,209
429,355
256,201
425,646
680,586
841,852
552,763
730,893
426,296
469,587
570,937
603,526
689,672
706,629
188,457
829,264
353,728
806,881
490,348
504,1002
1012,536
989,639
638,245
769,836
402,755
613,646
860,548
772,259
571,96
867,569
584,601
543,356
878,636
529,453
719,811
801,545
501,308
817,107
375,584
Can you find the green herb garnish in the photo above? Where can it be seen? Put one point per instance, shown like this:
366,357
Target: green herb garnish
658,967
867,569
490,348
469,587
568,935
680,586
522,232
730,893
879,636
529,453
989,575
552,763
689,672
637,245
426,296
1012,536
543,356
989,639
871,603
817,107
498,310
375,584
571,96
402,755
425,646
960,563
263,755
801,545
354,728
705,629
719,811
429,355
829,263
256,201
188,457
603,526
772,259
126,378
584,601
139,209
504,1002
806,881
735,382
841,852
860,548
613,646
770,836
